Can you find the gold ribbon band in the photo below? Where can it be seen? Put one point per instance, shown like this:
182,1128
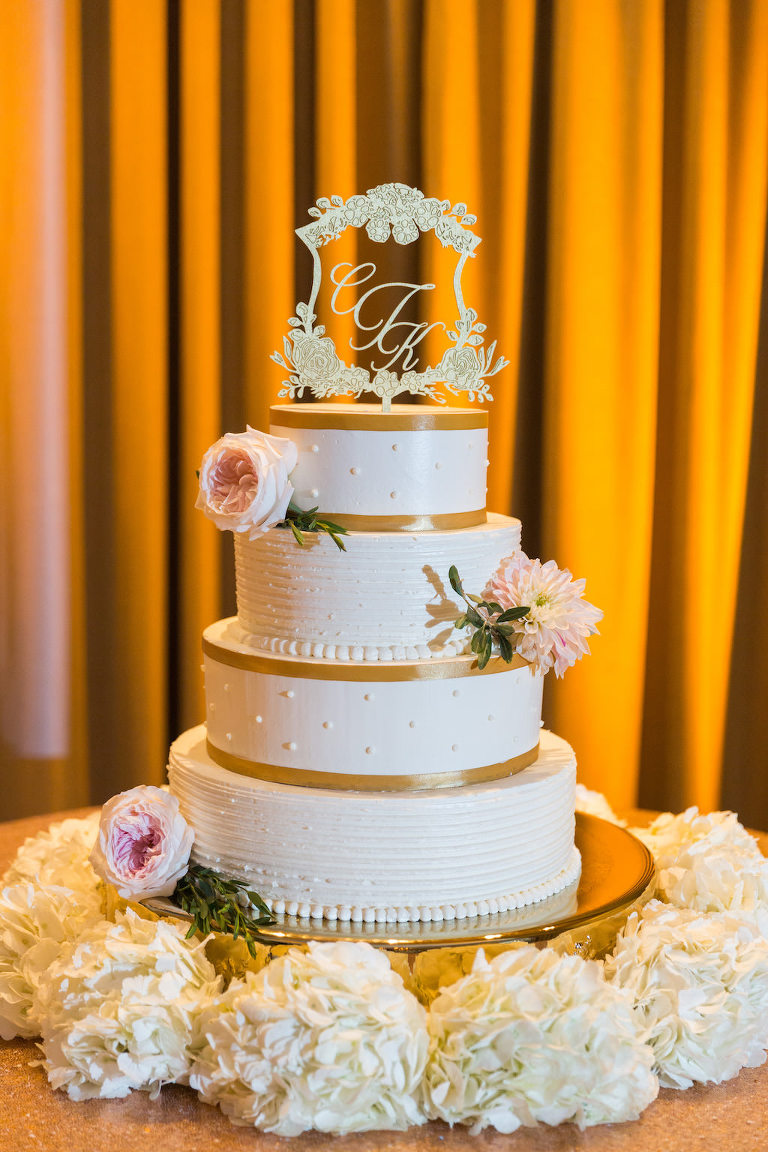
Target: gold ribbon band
449,668
343,416
439,522
343,782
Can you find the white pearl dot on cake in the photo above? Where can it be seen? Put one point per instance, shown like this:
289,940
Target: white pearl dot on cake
369,751
393,495
211,707
314,492
395,447
259,719
327,723
491,717
438,465
292,746
226,687
354,471
229,735
290,694
368,696
454,747
411,723
315,448
455,692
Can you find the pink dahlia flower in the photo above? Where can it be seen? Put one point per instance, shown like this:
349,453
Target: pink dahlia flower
244,483
554,633
143,844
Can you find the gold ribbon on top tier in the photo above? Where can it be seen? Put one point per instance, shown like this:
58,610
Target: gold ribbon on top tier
370,418
439,522
351,782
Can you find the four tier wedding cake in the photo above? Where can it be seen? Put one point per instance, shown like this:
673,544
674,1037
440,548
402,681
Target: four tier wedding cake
364,758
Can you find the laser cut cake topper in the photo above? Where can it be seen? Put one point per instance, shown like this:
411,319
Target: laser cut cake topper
310,356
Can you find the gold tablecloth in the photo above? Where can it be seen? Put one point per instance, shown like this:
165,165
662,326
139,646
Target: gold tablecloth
731,1116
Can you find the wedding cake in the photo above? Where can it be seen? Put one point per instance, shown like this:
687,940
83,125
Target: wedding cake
362,757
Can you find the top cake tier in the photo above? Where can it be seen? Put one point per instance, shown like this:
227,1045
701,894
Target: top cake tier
412,469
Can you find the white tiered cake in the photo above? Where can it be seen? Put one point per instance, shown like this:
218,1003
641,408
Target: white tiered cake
357,764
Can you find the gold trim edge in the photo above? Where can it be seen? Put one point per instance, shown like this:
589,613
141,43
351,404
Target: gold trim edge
421,420
418,522
416,782
450,668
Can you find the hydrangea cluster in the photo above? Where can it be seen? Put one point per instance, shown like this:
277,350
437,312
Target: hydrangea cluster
701,983
35,924
533,1037
50,894
710,863
118,1007
326,1039
334,1038
59,855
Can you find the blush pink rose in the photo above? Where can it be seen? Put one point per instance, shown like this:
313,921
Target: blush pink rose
244,485
143,844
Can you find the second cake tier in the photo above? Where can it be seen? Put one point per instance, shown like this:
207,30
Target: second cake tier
386,598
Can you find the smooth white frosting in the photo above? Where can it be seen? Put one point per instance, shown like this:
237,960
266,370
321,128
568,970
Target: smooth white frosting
363,472
364,727
386,598
398,856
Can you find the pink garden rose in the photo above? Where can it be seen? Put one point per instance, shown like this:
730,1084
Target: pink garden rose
244,483
143,844
554,633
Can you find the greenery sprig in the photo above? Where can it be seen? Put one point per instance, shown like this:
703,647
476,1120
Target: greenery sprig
300,521
493,625
216,905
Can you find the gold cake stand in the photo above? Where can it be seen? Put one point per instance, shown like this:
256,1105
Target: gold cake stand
617,877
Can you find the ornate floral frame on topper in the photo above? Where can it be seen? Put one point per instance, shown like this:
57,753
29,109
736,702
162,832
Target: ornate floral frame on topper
311,357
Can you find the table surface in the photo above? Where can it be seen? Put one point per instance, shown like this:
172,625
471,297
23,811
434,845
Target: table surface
732,1115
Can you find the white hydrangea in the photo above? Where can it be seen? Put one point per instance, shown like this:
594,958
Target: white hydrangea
668,835
118,1007
595,804
59,855
710,863
532,1037
701,983
326,1038
35,923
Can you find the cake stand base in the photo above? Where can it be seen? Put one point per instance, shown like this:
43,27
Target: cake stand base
617,877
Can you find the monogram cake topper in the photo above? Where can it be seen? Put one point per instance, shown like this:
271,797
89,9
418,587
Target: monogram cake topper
310,356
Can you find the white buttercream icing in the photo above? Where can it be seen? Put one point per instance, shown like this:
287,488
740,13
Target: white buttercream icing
355,472
366,727
374,857
386,598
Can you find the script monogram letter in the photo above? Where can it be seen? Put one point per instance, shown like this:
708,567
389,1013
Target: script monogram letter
385,325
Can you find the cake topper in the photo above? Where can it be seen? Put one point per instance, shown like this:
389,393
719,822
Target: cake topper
310,356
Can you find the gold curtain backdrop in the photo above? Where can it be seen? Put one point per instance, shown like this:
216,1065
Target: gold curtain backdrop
156,156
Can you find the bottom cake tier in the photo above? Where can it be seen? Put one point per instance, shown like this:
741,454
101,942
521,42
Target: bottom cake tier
391,856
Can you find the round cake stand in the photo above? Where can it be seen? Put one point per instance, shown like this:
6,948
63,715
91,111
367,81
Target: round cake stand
616,878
